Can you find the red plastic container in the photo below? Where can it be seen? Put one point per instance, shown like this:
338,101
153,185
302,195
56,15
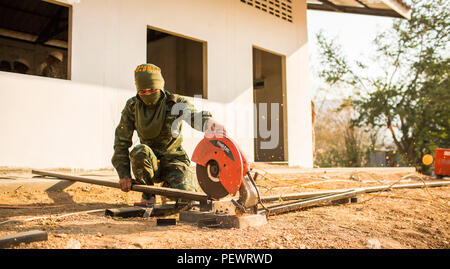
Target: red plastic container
442,162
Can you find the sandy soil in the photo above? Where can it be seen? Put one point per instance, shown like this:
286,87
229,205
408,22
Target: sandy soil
398,219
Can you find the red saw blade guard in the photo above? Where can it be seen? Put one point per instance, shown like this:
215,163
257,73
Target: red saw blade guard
233,164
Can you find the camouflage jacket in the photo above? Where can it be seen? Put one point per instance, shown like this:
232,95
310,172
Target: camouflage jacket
167,145
51,71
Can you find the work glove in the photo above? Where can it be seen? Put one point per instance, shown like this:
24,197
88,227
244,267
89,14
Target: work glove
125,184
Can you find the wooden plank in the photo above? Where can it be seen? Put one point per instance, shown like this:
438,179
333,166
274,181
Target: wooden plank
167,192
331,5
400,7
24,237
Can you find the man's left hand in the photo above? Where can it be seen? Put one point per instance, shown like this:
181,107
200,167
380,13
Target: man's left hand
213,128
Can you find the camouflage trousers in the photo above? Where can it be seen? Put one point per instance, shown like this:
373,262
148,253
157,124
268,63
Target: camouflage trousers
148,170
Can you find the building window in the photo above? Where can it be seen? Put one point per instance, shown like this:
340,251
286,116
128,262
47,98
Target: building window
182,61
34,37
279,8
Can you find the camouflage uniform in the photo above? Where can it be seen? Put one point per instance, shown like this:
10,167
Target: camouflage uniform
51,71
161,159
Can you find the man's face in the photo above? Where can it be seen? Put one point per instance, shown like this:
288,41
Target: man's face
147,91
149,96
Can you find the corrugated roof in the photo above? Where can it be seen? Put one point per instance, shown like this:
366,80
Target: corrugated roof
388,8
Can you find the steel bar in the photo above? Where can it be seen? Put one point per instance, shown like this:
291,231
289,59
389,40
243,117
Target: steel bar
334,195
174,193
278,209
298,196
303,195
167,192
24,237
408,186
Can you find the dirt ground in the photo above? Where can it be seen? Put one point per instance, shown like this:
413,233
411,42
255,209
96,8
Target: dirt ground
398,219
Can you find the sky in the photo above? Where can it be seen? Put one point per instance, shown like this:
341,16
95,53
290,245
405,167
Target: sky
355,33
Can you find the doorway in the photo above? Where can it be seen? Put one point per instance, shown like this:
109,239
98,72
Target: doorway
269,100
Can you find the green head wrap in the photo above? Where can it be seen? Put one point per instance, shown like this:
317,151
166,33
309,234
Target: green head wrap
148,76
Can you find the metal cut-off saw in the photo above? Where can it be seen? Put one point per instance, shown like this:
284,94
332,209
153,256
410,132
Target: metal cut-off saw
222,169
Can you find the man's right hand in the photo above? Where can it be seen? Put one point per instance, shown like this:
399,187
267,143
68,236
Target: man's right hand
125,184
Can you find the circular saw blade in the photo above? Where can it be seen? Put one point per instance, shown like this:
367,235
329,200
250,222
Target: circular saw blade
228,168
210,184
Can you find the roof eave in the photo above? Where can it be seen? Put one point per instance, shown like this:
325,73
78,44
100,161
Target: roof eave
394,8
399,7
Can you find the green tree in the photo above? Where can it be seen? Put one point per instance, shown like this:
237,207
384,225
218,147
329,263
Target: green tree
338,143
411,98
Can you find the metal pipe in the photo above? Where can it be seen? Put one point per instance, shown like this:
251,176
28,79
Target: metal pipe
297,205
304,195
300,195
408,186
341,194
195,196
167,192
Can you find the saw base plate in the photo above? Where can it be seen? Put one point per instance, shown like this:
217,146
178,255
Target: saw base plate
222,214
213,220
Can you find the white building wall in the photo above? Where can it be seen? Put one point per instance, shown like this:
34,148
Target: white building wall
56,123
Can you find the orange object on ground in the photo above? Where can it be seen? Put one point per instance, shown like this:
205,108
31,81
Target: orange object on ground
427,159
442,162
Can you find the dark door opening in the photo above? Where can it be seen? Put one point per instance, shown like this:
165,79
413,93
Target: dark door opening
269,100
